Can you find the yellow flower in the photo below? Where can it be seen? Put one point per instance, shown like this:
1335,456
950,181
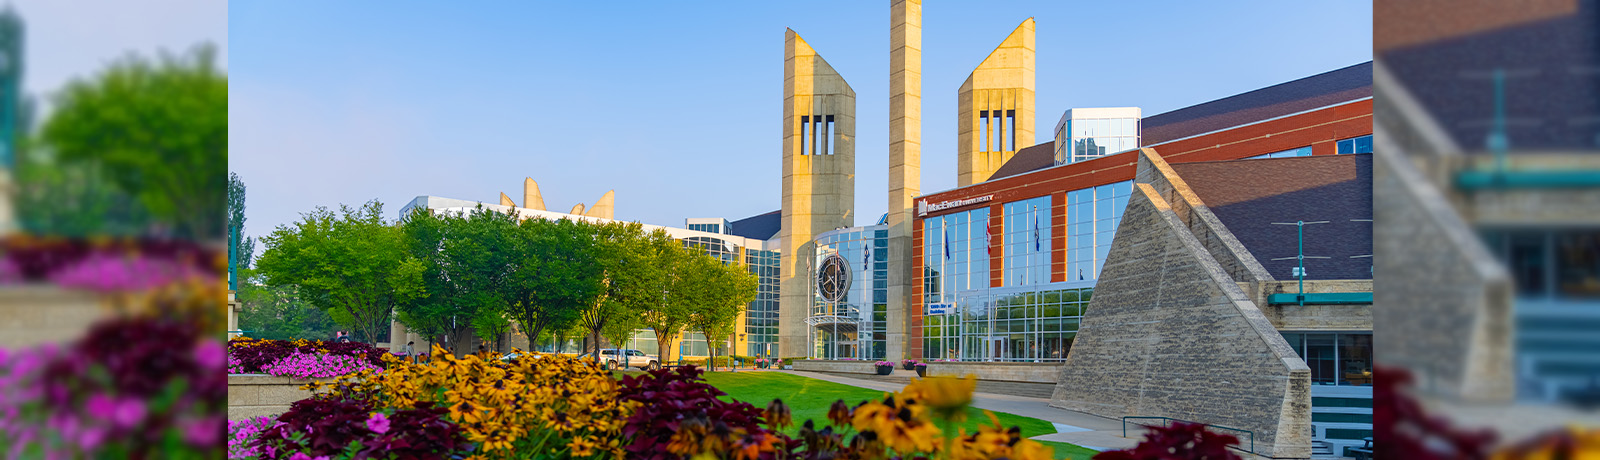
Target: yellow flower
947,396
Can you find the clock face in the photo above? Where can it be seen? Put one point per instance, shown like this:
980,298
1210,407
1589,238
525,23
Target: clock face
833,278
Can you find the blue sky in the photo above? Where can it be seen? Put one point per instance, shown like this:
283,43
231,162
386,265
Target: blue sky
677,105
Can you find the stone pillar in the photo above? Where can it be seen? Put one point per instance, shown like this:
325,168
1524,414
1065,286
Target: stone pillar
819,177
1000,91
905,163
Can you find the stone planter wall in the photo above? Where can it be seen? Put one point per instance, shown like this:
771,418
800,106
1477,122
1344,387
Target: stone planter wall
1008,372
37,314
836,366
254,395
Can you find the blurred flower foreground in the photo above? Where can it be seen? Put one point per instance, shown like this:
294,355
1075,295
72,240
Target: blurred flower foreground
557,406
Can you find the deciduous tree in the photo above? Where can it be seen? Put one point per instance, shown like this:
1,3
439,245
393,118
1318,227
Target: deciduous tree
350,263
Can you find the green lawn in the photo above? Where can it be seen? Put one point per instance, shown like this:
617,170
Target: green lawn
809,399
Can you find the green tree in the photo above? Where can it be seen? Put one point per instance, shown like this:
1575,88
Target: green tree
557,275
351,263
158,129
467,263
723,292
619,249
675,302
277,312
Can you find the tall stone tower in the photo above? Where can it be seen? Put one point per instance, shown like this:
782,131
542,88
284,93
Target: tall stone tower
819,177
996,110
905,162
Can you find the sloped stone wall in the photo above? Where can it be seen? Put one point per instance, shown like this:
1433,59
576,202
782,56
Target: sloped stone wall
1170,334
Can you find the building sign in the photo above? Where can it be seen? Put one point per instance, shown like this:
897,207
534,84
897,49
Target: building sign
941,308
923,208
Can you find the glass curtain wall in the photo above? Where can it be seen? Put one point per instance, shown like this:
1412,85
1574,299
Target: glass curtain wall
761,317
1092,218
1027,243
955,258
1030,324
857,325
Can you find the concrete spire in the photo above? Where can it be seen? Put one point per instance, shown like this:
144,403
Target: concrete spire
905,165
996,112
531,198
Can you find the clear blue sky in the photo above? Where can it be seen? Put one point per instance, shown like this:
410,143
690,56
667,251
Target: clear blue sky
676,105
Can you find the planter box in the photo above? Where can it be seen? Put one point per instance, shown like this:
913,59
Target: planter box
885,370
922,371
837,366
34,314
254,395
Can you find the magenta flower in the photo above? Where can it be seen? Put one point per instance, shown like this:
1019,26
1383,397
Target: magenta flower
202,432
210,354
129,412
378,423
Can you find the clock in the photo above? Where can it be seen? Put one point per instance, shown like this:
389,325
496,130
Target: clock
833,278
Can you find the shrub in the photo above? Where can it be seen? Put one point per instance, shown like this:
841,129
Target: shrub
353,429
257,355
559,405
1180,441
679,415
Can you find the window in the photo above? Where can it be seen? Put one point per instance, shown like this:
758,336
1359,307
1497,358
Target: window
1011,130
1335,358
1027,242
1092,218
983,131
805,133
1361,144
996,120
1296,152
828,137
955,254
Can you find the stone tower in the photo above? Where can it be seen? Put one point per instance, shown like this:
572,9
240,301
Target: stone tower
905,162
996,108
819,176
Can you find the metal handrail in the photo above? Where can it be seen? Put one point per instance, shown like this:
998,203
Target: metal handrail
1164,424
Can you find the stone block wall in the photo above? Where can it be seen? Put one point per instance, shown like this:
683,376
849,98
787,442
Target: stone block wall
835,366
255,395
32,315
1198,219
1446,304
1169,333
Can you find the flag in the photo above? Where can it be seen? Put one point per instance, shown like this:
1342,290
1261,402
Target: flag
1036,229
866,259
946,232
988,248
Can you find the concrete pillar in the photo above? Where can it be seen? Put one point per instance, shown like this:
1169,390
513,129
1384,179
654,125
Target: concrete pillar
905,164
819,177
1000,90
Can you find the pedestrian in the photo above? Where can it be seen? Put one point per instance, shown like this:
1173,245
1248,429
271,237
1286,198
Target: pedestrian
410,352
482,352
344,337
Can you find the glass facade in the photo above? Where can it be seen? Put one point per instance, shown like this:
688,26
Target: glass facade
1092,218
955,254
712,228
1361,144
1024,324
1343,358
855,326
1027,242
1296,152
1550,264
1079,139
761,317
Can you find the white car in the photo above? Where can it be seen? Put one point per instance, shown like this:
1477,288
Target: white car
633,358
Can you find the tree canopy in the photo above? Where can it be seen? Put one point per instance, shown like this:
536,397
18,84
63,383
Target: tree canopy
158,130
351,263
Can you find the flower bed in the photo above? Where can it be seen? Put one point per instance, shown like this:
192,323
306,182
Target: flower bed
562,407
302,358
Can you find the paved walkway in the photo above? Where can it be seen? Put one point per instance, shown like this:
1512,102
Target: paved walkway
1078,428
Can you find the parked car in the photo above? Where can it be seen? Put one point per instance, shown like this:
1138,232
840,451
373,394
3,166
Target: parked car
633,358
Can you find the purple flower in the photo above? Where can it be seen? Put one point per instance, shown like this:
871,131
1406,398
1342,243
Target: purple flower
99,405
378,423
202,432
129,412
210,354
299,456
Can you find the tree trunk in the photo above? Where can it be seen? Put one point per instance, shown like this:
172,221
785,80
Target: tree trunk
664,347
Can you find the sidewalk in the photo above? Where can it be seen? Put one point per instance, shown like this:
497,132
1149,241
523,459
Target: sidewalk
1078,428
